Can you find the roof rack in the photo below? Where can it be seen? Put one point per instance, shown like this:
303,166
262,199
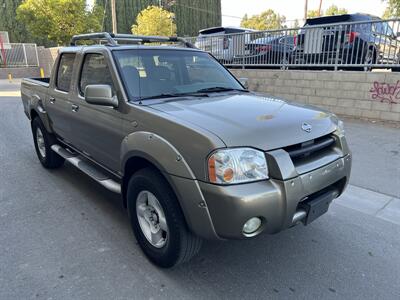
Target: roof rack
112,39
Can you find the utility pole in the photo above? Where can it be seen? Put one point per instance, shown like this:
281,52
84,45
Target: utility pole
113,17
319,9
305,10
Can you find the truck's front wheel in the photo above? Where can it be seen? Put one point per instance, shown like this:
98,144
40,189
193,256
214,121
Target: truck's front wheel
43,142
157,220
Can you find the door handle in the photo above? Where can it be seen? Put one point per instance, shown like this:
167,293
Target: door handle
52,100
74,107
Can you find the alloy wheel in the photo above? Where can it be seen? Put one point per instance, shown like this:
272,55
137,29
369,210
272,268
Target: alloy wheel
40,142
152,219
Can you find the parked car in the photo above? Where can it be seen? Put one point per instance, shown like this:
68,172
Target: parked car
223,42
370,41
192,152
268,50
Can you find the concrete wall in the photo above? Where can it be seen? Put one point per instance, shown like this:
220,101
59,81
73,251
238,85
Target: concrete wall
47,56
19,72
370,95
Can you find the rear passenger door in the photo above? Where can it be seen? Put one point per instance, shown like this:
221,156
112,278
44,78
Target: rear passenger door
97,129
57,102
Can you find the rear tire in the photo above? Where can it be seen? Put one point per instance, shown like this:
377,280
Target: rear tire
173,243
43,141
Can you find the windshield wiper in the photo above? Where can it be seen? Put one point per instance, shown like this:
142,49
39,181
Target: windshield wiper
220,89
171,95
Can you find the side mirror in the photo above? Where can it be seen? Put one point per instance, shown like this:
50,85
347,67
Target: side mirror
244,82
397,35
100,94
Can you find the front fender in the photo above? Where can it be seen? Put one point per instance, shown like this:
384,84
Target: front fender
177,172
158,150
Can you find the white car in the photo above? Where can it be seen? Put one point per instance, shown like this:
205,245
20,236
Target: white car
224,42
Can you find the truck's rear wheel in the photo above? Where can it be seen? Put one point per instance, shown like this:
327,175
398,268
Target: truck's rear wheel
157,220
43,142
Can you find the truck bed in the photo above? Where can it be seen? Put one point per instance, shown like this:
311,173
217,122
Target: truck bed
32,91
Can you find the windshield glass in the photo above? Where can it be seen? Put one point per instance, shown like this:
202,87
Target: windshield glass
152,72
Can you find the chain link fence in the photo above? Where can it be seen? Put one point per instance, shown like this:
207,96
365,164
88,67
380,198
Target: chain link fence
344,45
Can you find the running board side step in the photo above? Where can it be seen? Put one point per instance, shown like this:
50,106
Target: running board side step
88,168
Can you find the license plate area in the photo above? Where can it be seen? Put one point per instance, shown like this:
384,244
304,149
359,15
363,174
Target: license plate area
318,204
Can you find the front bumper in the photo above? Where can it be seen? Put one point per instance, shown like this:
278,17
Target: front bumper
275,201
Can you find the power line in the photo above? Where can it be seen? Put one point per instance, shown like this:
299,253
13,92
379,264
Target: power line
205,10
212,12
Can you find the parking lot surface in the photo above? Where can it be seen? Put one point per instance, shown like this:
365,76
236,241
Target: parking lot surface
64,236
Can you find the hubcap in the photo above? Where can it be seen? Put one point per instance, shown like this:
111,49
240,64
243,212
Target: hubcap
40,142
151,219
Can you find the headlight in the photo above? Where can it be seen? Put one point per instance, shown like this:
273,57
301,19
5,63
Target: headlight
238,165
340,127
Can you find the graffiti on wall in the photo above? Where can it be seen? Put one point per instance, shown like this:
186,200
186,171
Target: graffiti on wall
386,92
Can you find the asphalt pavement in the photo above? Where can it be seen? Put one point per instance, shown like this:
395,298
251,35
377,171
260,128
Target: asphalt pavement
63,236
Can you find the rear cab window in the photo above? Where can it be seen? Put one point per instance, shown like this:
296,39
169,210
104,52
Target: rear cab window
95,71
64,72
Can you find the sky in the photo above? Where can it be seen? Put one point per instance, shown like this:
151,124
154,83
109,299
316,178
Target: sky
233,10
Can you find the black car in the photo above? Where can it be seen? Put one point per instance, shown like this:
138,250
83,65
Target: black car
350,39
268,50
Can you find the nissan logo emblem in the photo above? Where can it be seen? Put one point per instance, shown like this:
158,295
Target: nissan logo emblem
306,127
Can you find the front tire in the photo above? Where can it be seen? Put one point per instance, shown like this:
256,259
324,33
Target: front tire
43,142
157,220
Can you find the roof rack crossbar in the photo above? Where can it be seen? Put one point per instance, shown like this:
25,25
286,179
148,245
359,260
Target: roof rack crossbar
112,39
105,36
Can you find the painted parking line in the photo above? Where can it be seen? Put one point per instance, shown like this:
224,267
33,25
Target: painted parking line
10,94
372,203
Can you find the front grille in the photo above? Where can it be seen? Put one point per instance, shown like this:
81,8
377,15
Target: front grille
311,147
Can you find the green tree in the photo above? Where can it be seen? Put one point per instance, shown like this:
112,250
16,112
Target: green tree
392,9
8,22
58,20
267,20
313,14
190,15
333,10
155,20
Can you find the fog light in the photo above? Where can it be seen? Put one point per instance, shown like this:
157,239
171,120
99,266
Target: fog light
252,225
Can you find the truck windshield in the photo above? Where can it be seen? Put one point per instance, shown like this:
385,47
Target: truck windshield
148,73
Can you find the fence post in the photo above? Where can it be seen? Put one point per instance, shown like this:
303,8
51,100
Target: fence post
26,60
3,52
339,41
285,59
37,56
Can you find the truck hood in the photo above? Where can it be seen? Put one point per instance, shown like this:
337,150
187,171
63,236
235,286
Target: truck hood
251,120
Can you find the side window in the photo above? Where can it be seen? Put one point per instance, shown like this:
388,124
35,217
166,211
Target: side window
64,73
95,71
